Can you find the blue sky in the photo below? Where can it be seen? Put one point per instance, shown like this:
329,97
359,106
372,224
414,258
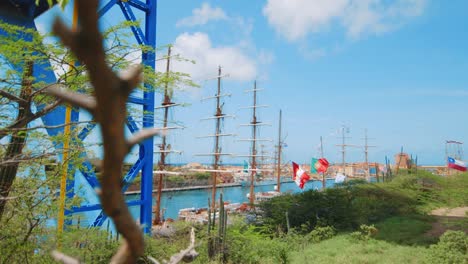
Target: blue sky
396,68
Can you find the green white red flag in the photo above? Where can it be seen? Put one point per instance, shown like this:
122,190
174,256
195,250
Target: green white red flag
319,165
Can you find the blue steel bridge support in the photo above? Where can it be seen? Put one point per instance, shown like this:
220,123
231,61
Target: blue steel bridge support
23,12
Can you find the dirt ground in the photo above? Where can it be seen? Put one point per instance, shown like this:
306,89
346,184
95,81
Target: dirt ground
448,219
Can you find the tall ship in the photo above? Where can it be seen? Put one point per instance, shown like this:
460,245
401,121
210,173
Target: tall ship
163,148
254,171
201,214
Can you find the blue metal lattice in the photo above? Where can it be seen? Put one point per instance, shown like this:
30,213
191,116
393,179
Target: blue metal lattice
23,12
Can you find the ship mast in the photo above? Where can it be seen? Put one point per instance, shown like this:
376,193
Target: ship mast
163,147
343,147
217,149
254,124
254,143
278,179
366,153
217,153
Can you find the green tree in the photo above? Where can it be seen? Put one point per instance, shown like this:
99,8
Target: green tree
27,203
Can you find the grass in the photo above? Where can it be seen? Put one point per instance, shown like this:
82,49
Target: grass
429,191
455,224
405,230
344,249
403,237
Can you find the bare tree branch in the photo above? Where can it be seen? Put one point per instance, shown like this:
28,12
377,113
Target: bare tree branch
67,37
142,135
48,127
186,253
19,159
81,100
8,198
42,89
153,260
110,112
12,97
123,254
59,256
28,118
131,77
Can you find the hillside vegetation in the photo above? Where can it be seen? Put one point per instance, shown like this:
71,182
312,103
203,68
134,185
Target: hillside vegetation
356,222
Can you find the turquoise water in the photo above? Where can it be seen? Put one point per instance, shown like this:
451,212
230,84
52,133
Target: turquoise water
175,200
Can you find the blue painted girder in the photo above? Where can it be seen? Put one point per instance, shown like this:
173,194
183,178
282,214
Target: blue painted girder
23,12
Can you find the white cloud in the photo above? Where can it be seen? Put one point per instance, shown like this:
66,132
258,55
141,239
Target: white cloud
265,57
295,19
202,15
242,25
198,47
313,54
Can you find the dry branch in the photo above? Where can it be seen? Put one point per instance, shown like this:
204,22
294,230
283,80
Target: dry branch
108,107
142,135
21,123
131,77
12,97
76,99
60,257
111,94
188,253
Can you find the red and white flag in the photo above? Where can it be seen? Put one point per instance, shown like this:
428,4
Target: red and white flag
299,175
456,164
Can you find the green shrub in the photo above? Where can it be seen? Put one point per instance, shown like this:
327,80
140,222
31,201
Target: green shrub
321,233
344,208
246,245
365,233
176,179
451,249
202,175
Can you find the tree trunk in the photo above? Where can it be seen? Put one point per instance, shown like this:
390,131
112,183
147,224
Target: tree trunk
15,147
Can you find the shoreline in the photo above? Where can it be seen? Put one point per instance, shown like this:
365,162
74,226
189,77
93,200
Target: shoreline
200,187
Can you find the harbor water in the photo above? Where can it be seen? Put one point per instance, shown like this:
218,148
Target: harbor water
173,201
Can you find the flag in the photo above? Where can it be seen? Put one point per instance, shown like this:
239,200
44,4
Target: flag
246,166
340,177
318,165
299,175
312,165
456,164
383,168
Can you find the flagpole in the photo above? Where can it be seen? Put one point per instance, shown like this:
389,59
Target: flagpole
254,151
321,154
278,180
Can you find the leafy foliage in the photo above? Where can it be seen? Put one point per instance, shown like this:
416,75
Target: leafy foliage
452,248
344,208
28,226
246,245
27,230
352,204
321,233
364,233
343,249
405,230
